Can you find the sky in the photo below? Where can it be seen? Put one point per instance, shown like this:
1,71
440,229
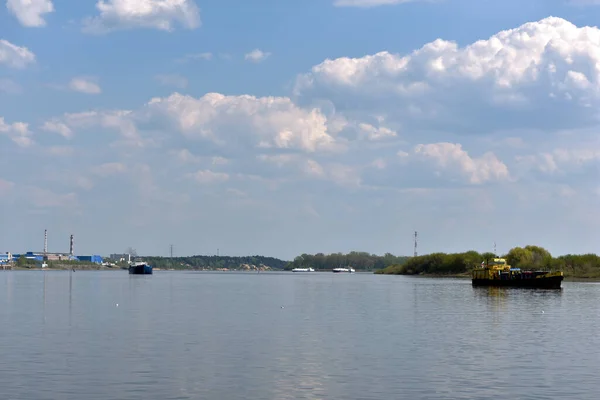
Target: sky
279,128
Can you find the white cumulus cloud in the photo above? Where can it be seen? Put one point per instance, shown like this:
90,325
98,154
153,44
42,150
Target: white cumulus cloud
257,55
58,127
153,14
30,13
265,122
542,75
14,56
18,132
208,176
452,158
121,121
84,85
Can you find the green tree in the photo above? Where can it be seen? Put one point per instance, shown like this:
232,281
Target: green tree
519,257
22,262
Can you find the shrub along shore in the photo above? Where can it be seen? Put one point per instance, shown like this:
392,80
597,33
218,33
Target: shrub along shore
583,266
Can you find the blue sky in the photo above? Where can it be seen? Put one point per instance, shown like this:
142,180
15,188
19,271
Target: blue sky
283,127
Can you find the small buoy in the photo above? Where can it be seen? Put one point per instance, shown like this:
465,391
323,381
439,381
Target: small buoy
282,307
542,311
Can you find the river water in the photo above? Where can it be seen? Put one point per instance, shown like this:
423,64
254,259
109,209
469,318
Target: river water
198,335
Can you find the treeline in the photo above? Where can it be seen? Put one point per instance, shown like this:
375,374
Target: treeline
355,259
213,262
527,258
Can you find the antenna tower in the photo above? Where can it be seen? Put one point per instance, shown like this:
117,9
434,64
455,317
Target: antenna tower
171,251
416,235
45,241
495,254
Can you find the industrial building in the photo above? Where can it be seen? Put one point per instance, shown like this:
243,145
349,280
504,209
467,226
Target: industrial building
6,258
95,259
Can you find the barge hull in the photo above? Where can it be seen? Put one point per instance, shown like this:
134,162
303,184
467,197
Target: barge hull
140,270
552,282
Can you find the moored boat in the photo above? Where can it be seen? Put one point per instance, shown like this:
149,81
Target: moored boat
140,268
347,270
303,270
497,272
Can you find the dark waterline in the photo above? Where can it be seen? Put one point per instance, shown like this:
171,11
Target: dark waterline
189,335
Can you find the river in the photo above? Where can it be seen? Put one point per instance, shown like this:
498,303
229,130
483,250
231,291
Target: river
203,335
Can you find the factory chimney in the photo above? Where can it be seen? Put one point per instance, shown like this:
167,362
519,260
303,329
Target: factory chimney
45,241
71,247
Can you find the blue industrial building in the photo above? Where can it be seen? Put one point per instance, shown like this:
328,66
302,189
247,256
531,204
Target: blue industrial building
95,259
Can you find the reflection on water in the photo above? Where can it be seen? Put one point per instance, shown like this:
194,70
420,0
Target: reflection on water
185,335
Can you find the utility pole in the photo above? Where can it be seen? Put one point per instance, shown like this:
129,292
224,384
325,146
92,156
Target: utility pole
415,253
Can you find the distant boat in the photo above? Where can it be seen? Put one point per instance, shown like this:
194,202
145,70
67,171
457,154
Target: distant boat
140,268
347,270
303,270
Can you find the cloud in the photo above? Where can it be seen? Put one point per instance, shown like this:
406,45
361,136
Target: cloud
541,75
30,12
151,14
367,3
451,158
58,127
257,56
177,81
298,165
374,133
564,163
584,2
18,132
109,169
219,160
196,56
14,56
44,198
121,121
184,156
232,121
208,177
263,122
84,85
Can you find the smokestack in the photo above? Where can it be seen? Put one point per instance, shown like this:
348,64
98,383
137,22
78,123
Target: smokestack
71,247
45,241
